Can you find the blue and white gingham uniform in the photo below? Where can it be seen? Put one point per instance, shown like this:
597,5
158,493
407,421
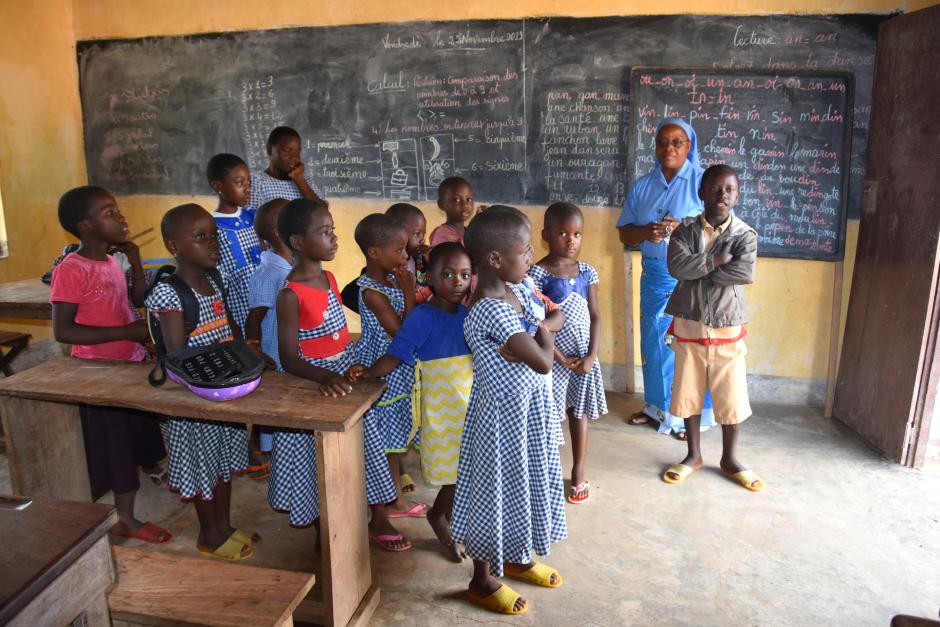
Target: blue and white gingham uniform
510,492
582,393
265,188
263,287
292,486
239,255
200,452
393,409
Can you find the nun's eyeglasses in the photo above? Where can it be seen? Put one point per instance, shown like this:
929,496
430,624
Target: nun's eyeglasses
675,143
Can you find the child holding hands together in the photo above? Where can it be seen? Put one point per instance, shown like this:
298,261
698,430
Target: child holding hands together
576,374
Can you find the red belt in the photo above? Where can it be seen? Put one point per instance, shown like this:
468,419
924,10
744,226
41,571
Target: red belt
707,341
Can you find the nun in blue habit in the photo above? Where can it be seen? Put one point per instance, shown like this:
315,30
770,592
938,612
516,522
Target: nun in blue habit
655,205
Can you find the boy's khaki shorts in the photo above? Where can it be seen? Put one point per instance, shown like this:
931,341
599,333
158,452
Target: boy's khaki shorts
719,368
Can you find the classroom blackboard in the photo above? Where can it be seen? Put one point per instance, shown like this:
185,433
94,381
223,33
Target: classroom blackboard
787,135
387,110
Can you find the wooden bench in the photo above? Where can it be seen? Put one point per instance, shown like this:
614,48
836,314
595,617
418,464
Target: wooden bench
158,589
28,298
14,341
45,450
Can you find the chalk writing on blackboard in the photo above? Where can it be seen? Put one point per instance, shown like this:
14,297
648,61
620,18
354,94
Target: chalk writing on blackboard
786,135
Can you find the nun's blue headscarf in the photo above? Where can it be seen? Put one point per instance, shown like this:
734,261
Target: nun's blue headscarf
692,157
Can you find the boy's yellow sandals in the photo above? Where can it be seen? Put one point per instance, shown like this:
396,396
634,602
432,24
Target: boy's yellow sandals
749,479
677,473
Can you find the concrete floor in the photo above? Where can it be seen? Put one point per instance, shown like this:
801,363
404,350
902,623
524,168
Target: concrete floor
839,537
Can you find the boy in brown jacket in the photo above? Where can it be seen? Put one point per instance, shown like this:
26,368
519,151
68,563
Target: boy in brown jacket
712,255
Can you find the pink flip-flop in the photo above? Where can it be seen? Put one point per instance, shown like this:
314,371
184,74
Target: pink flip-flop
384,540
420,510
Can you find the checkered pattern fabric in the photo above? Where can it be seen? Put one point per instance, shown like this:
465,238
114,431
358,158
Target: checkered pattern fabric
292,485
239,255
582,393
510,493
200,452
263,287
265,188
393,410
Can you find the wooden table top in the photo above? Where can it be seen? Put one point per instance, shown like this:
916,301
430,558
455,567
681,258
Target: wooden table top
40,541
28,298
282,400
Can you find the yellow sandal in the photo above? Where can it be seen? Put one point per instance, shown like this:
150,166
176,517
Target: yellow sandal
749,479
247,537
540,574
680,470
230,551
503,601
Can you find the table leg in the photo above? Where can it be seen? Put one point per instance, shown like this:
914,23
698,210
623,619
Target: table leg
45,449
349,598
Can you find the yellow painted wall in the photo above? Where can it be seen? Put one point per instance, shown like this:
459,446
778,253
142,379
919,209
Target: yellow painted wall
41,152
41,139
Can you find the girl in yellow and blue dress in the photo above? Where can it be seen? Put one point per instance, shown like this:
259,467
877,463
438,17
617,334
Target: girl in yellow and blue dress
431,340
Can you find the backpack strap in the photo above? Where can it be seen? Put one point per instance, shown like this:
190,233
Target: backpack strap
190,305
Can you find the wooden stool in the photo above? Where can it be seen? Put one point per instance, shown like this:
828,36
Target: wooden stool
159,589
16,342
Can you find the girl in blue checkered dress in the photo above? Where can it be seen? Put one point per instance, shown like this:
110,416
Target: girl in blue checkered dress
284,176
202,454
386,297
576,374
239,247
313,342
510,493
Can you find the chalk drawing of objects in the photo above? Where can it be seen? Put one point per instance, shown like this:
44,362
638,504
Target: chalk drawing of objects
436,173
399,176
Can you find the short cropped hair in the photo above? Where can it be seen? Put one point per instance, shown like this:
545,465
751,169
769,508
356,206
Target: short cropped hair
74,205
448,183
374,230
175,217
497,229
401,211
559,212
296,216
266,219
279,133
715,170
220,165
443,250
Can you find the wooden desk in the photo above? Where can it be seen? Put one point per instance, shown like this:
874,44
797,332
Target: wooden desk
45,450
56,562
28,298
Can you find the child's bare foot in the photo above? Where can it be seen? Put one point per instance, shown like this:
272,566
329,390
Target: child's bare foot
639,418
441,527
